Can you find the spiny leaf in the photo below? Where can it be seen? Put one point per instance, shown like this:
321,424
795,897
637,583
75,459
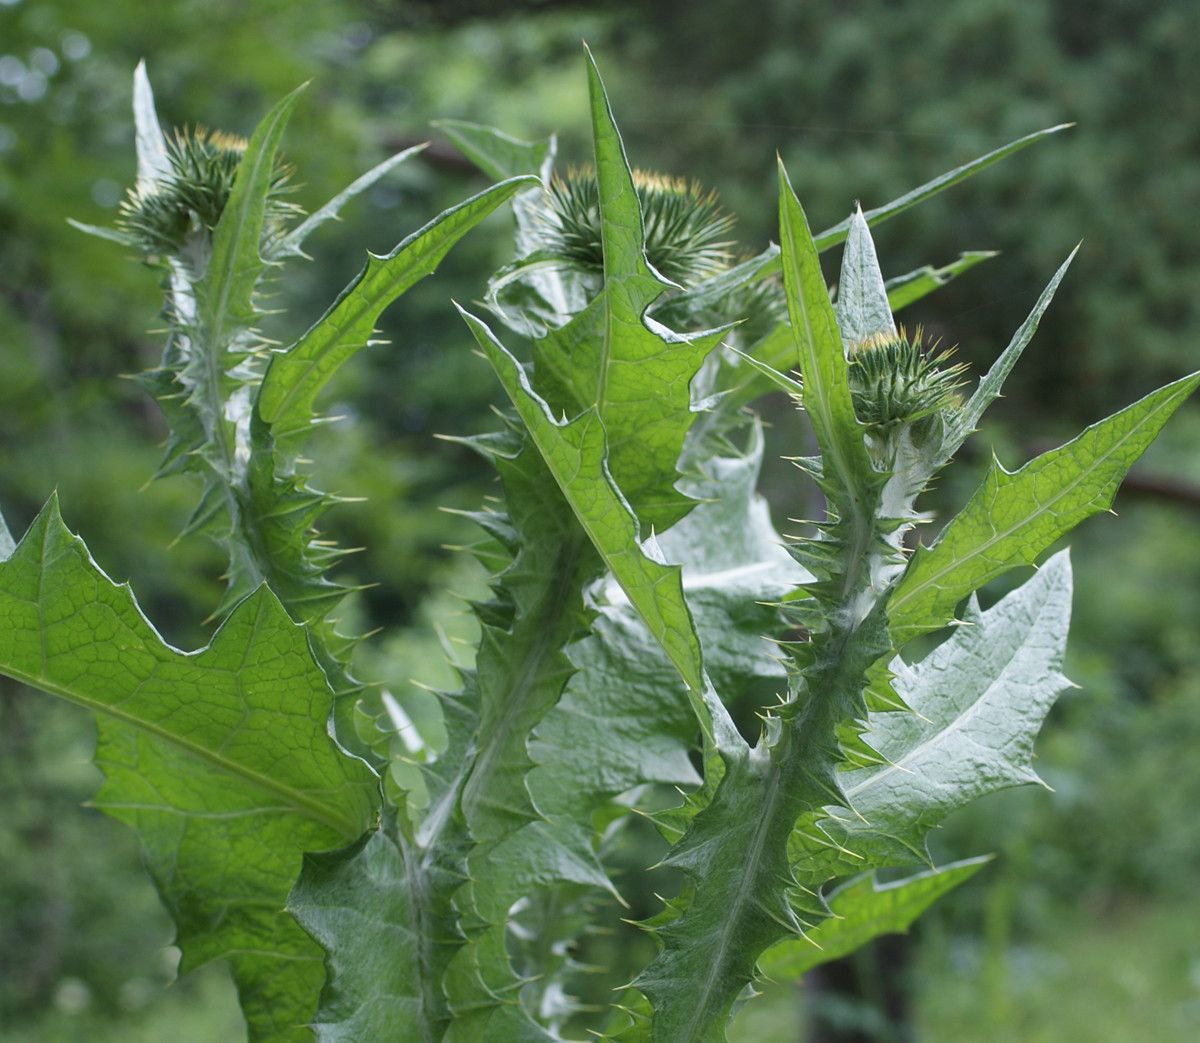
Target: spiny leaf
739,899
575,454
279,512
978,701
226,291
634,372
861,910
297,375
821,359
1015,515
220,759
624,688
453,876
520,674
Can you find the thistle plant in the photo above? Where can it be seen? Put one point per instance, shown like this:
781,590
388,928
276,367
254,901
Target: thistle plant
643,608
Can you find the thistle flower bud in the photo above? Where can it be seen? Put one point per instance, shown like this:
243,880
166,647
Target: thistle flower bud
895,379
686,228
177,216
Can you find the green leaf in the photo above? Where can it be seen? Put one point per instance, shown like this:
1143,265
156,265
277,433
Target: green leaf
497,154
620,723
290,244
297,374
1015,515
452,877
836,234
863,307
991,383
861,910
613,358
575,453
766,262
978,701
740,895
278,513
220,759
906,289
386,942
821,359
538,294
226,292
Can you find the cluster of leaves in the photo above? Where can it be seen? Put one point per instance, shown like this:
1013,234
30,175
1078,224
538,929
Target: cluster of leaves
364,885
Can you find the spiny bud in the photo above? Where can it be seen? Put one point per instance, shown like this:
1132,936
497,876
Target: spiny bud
186,203
685,227
895,379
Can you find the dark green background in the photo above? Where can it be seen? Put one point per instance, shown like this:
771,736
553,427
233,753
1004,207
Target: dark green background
1084,928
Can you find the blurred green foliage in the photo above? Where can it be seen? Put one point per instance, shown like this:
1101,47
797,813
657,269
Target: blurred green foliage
864,99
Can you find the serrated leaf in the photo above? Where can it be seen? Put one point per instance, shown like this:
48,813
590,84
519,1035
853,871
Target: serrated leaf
821,359
978,701
735,853
220,759
863,307
861,910
297,374
620,723
1015,515
225,294
613,358
481,846
575,453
